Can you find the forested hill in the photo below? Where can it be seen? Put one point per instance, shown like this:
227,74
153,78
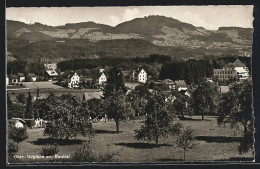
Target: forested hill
138,37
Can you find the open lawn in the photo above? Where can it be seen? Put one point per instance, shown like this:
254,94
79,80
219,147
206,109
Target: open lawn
213,143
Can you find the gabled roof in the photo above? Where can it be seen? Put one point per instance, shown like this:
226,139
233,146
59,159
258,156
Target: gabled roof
167,81
32,75
13,76
52,73
72,74
20,75
238,63
224,89
126,72
91,95
97,75
180,83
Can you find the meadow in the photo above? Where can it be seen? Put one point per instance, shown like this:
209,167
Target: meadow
213,143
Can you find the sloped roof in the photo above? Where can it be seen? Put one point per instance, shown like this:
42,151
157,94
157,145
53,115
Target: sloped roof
126,72
20,74
224,89
91,95
181,83
52,73
97,75
238,63
167,81
32,75
70,75
13,76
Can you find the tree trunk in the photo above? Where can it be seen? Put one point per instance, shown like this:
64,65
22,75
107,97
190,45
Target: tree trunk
17,146
184,151
117,126
156,140
202,116
182,114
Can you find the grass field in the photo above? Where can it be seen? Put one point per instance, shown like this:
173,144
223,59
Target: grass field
213,143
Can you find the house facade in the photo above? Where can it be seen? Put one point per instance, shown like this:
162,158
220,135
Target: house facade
21,77
232,71
138,75
13,79
73,80
32,76
102,78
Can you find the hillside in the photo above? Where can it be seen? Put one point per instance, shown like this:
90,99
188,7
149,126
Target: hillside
158,34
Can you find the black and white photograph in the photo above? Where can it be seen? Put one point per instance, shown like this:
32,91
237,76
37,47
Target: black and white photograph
129,84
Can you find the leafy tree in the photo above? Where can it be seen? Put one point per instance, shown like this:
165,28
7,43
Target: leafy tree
66,116
117,108
95,107
115,83
29,107
17,134
138,99
205,98
236,106
21,98
158,120
181,103
184,140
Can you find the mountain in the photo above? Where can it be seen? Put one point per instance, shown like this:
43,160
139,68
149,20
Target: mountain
160,31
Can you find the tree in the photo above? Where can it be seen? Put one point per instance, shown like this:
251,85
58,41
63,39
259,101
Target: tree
181,103
184,140
21,98
158,120
17,134
29,107
117,108
115,83
65,115
236,106
95,107
115,103
138,99
205,98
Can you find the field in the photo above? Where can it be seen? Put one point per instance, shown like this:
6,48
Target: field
213,143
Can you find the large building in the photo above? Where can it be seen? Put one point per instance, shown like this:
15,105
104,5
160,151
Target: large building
231,71
73,80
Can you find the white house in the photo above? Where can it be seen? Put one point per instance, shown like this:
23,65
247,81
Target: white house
50,66
142,76
242,70
73,80
21,77
32,76
7,80
180,85
18,122
102,78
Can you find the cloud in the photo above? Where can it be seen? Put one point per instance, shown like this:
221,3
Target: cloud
131,14
114,20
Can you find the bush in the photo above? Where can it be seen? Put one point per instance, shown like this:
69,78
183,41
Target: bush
11,147
17,134
49,150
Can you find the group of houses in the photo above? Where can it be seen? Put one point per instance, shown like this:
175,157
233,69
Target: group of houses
236,70
100,77
13,79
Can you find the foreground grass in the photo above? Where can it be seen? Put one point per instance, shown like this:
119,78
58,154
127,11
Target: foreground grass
213,143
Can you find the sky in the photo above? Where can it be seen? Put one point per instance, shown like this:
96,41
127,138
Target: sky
209,17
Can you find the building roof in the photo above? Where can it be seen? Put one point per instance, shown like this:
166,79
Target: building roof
20,74
91,95
32,75
13,76
126,72
72,74
97,75
180,83
238,63
167,81
52,73
224,89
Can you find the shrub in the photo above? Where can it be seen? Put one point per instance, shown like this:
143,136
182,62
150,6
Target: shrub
30,122
17,134
11,146
49,150
84,154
